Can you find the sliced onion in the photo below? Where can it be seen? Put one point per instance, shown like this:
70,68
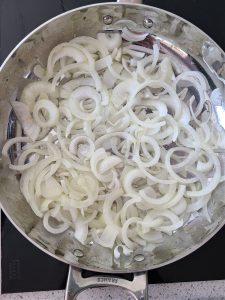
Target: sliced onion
30,127
110,40
80,94
13,141
55,230
52,113
126,152
132,36
33,90
81,230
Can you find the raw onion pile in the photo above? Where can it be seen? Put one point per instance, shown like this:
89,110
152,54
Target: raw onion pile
118,145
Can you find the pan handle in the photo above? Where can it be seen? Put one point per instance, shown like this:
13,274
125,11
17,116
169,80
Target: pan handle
76,283
130,1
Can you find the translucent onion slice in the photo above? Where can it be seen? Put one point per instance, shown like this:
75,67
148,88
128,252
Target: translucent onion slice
125,234
107,237
81,230
110,40
13,141
132,36
50,109
33,90
55,230
83,93
213,182
23,114
107,206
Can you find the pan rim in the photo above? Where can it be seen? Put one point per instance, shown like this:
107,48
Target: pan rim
79,264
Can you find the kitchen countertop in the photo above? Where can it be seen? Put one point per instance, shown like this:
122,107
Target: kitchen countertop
201,290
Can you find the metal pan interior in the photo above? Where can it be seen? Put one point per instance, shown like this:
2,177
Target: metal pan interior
190,48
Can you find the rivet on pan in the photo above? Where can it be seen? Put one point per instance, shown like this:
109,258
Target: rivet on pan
139,257
107,19
78,253
147,22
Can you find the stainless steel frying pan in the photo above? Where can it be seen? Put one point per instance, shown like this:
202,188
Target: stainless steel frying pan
193,50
